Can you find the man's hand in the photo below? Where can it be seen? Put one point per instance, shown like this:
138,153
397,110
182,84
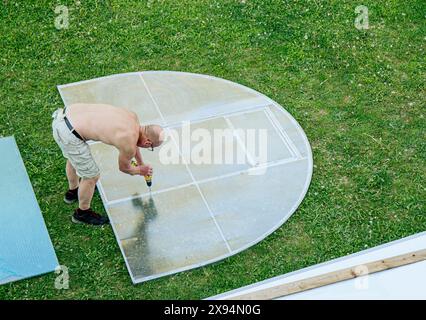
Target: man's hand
146,170
143,170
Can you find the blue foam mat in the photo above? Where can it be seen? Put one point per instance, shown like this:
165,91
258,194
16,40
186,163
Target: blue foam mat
25,246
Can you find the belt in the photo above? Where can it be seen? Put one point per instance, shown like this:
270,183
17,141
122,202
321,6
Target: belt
69,125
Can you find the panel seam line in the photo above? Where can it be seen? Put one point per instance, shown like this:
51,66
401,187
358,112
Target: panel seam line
286,139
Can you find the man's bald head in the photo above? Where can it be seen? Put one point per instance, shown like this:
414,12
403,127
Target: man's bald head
150,135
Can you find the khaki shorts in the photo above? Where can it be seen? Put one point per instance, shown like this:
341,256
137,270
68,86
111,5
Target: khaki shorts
75,150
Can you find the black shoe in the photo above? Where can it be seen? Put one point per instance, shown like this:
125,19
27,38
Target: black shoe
71,196
89,217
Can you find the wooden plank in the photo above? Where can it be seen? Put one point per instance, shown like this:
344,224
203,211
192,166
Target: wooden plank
333,277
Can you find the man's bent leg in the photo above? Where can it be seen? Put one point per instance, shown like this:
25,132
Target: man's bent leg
86,168
84,214
73,179
85,192
71,195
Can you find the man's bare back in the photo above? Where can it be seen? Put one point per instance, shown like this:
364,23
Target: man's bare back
118,127
101,122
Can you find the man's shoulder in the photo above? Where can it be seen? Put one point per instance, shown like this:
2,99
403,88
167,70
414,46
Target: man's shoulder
125,140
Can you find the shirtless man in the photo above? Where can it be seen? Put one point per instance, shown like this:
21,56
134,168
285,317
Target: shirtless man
76,124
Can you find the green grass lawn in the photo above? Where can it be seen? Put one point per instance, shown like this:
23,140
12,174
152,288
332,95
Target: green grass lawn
358,94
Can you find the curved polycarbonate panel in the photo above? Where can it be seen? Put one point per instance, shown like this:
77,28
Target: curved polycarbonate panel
234,167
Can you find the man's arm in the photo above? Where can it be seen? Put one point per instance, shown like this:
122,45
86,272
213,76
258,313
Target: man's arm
138,157
124,162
